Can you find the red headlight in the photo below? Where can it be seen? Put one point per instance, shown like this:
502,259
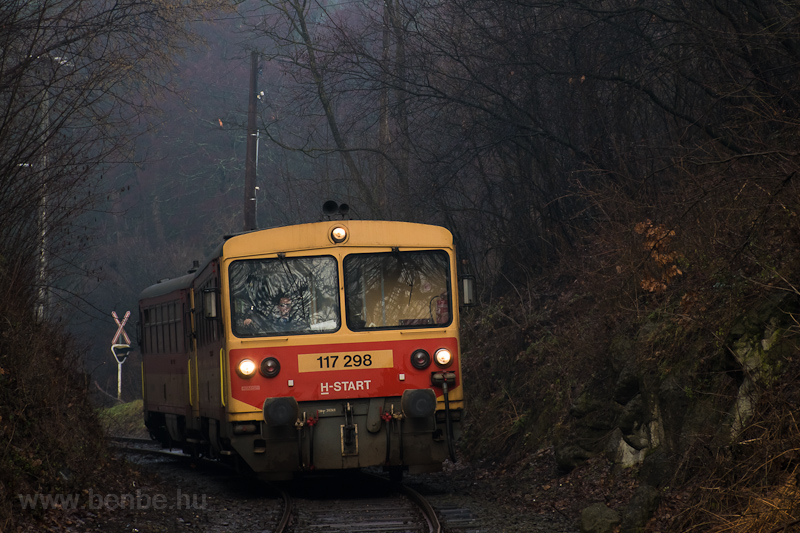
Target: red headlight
270,367
420,359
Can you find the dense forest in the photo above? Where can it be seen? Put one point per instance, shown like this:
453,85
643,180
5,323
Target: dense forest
619,175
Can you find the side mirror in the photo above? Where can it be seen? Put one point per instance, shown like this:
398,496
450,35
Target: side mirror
468,291
210,303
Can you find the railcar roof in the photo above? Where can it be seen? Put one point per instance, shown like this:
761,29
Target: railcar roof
168,286
315,235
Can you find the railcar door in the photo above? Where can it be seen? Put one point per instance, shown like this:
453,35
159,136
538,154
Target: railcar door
194,399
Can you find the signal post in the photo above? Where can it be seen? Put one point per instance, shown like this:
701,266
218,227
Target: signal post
120,350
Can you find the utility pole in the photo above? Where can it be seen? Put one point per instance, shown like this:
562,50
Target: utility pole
252,140
42,303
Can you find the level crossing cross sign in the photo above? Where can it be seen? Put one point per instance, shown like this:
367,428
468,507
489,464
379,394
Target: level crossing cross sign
119,349
121,328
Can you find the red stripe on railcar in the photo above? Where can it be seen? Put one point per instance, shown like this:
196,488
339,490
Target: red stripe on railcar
327,383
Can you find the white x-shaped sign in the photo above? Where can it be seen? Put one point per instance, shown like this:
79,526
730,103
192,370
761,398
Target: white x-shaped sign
121,328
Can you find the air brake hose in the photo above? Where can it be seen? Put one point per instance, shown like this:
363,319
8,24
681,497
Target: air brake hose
299,426
388,419
448,423
311,423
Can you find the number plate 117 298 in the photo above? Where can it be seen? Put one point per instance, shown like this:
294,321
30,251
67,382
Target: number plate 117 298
319,362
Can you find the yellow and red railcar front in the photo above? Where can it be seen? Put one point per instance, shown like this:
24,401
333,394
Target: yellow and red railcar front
341,346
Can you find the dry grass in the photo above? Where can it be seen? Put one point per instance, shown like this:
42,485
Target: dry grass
751,486
766,513
51,440
124,419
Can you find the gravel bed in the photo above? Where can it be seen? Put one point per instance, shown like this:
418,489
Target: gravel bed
178,495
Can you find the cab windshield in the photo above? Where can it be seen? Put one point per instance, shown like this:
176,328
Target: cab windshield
397,290
284,296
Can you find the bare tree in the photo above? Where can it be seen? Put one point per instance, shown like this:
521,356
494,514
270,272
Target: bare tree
75,79
528,126
343,64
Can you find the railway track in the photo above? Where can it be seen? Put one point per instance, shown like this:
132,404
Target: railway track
361,503
256,506
341,502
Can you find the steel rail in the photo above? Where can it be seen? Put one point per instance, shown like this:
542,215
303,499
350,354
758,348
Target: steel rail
428,512
283,523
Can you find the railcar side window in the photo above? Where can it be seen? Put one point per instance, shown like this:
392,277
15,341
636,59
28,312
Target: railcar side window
283,296
160,329
397,290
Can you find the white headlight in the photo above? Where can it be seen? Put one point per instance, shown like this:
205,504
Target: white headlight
443,357
339,234
246,368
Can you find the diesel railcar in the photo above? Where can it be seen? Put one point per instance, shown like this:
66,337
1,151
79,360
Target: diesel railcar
331,345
